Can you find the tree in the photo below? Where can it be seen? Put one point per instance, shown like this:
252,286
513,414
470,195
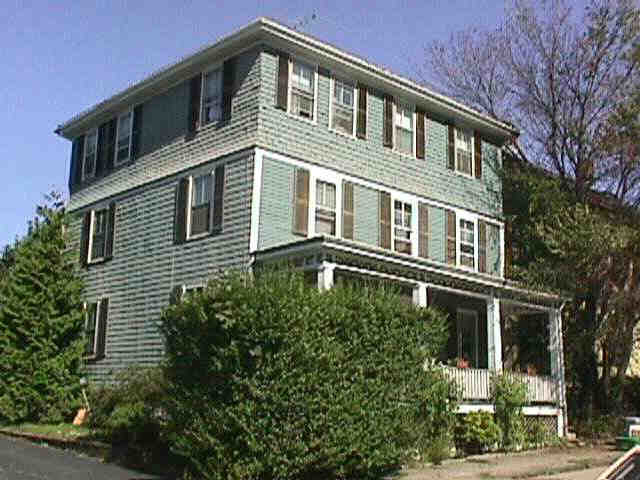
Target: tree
570,83
41,322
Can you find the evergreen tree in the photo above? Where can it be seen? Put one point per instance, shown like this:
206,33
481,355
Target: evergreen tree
41,322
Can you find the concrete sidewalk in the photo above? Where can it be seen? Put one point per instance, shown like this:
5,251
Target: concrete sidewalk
571,463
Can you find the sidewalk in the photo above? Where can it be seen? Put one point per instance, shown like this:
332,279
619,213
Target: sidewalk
575,463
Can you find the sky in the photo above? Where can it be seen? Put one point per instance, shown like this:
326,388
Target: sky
58,58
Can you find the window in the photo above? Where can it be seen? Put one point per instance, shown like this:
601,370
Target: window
90,153
212,98
302,90
342,112
468,341
464,151
123,145
325,208
200,211
404,128
402,227
98,235
467,243
91,330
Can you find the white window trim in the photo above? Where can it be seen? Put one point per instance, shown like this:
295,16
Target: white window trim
316,206
203,75
474,313
455,152
396,101
189,197
94,355
356,94
414,222
472,219
328,177
86,176
314,66
90,247
117,163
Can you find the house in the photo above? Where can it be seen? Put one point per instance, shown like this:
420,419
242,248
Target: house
270,145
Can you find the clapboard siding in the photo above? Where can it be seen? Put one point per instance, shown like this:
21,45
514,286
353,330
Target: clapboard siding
146,264
316,143
165,147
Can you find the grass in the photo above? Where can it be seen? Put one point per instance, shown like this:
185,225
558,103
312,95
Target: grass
62,431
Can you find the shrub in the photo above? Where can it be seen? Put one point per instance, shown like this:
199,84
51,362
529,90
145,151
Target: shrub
537,434
509,395
269,378
477,432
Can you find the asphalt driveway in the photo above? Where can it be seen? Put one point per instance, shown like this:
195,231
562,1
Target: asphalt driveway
23,460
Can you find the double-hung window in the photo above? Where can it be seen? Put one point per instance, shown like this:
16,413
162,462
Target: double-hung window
212,98
464,151
342,112
325,208
91,330
404,128
302,90
467,243
90,154
200,210
98,235
402,234
123,138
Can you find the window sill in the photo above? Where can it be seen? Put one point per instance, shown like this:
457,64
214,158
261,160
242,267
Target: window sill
342,134
93,358
310,121
404,154
198,236
464,175
97,261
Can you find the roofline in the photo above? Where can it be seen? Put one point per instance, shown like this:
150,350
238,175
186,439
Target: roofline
282,32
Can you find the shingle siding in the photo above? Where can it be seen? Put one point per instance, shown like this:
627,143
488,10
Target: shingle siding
316,143
146,264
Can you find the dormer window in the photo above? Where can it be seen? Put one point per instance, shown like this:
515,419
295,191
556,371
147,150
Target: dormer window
123,145
212,98
90,153
302,90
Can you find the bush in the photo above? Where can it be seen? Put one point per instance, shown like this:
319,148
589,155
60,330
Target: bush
130,410
269,378
509,396
477,432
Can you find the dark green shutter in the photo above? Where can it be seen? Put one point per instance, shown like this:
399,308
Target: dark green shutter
111,144
420,134
180,227
228,83
136,133
111,221
384,210
101,328
75,170
101,151
283,82
423,230
218,198
195,92
84,239
477,154
348,212
482,246
451,237
361,119
388,121
451,151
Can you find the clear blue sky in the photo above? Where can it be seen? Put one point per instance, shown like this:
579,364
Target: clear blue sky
58,58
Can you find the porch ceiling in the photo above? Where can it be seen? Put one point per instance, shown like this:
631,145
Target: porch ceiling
312,252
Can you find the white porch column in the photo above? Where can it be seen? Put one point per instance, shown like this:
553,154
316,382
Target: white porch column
420,295
557,366
494,335
325,276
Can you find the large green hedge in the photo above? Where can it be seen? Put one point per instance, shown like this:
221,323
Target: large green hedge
269,378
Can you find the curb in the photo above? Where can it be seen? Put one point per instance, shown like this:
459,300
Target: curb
91,448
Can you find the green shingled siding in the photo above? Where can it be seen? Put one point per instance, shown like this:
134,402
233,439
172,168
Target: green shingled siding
146,264
314,142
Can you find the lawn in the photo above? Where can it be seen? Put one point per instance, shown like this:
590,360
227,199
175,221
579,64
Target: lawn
62,431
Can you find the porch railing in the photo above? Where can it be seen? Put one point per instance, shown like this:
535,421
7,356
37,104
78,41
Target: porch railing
475,384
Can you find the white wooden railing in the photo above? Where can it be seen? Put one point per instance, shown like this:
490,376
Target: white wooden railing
475,384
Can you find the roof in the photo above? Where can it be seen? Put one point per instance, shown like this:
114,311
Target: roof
268,30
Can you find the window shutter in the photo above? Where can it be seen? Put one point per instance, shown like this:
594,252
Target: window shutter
136,132
195,88
451,237
451,156
477,154
102,328
101,152
385,219
283,81
218,198
111,144
175,297
75,170
361,120
420,138
180,228
228,83
347,210
508,249
111,223
84,239
423,230
301,202
482,246
388,121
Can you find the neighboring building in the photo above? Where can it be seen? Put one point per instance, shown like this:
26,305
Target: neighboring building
271,145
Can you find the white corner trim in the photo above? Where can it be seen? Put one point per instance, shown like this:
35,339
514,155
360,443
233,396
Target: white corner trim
255,200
